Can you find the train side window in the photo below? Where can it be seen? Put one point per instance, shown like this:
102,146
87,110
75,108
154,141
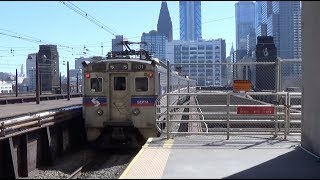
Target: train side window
96,84
119,83
141,84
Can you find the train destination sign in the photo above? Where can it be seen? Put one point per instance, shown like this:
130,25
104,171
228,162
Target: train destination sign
255,110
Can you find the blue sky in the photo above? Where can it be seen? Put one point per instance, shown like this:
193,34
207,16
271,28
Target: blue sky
53,22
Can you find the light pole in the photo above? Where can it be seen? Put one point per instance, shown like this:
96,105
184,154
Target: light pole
16,82
37,80
68,81
60,84
77,83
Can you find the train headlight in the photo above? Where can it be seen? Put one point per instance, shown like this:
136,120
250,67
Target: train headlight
99,112
135,112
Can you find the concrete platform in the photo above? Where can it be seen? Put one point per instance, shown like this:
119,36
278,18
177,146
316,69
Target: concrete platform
207,157
18,109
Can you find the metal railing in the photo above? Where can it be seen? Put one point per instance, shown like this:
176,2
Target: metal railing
227,121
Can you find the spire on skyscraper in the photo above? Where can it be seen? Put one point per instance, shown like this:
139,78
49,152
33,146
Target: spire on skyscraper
164,22
232,50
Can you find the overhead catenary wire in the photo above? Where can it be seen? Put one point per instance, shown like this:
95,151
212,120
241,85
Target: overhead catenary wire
81,12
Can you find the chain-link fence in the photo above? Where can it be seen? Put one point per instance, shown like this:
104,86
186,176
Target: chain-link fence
277,75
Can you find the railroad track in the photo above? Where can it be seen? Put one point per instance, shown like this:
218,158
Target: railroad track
101,158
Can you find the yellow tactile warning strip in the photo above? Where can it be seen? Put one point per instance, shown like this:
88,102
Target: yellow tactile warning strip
149,163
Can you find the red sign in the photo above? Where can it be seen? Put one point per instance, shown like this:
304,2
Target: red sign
255,110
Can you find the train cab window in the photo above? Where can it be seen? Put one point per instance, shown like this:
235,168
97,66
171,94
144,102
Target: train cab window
141,84
119,83
96,84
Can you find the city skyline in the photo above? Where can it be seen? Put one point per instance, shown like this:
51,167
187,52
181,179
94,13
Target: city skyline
67,30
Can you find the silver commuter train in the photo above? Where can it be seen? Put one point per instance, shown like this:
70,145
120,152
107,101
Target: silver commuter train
120,95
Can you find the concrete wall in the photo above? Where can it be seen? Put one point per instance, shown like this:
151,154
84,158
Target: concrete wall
310,137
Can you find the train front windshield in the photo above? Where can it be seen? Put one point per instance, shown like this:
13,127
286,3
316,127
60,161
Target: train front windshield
119,83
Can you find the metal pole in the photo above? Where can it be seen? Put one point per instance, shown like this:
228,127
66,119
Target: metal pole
280,75
289,116
16,82
68,81
37,80
188,86
277,71
77,83
60,84
228,116
286,116
40,79
275,121
233,66
168,90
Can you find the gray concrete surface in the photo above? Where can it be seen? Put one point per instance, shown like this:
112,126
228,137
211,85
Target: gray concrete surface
31,107
198,157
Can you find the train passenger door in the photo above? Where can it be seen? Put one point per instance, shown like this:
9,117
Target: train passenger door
119,97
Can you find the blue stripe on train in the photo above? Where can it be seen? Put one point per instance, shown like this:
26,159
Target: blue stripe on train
143,101
94,101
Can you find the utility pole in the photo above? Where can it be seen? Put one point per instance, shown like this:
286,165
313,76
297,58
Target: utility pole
60,84
16,82
37,80
68,81
77,83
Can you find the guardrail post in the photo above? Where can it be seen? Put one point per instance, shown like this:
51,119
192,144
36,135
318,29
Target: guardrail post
168,90
275,121
277,75
228,116
286,117
280,76
288,107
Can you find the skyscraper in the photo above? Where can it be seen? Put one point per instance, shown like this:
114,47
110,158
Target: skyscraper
164,25
245,21
201,51
284,24
115,45
49,67
31,71
156,44
190,20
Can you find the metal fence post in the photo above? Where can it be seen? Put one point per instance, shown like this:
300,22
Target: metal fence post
280,75
275,120
228,116
277,71
288,107
168,90
286,116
